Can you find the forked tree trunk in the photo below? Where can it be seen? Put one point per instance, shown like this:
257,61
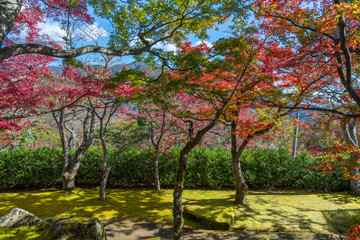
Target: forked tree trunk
69,174
180,176
349,131
156,168
70,168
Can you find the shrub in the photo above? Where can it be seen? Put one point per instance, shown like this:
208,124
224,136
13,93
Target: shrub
26,168
262,168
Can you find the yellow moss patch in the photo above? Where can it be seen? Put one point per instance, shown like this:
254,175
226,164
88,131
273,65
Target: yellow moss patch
297,211
266,210
19,233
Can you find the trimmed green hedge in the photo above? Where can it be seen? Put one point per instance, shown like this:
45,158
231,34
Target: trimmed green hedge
262,168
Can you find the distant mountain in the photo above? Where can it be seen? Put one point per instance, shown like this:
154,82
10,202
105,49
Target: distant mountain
119,67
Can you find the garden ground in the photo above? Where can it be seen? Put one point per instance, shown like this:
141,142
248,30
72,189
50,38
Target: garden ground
268,210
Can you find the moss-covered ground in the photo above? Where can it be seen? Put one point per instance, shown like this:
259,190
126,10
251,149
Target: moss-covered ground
19,233
266,210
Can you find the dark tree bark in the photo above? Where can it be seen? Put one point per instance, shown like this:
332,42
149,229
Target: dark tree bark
178,190
240,184
180,176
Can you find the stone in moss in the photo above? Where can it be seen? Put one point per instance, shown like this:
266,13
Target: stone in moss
67,229
217,218
18,217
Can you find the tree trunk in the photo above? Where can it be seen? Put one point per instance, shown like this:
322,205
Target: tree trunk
349,130
295,137
9,10
180,176
179,187
103,182
68,181
70,173
355,184
240,184
156,168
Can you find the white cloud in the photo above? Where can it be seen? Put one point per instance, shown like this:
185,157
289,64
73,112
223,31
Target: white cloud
86,33
170,47
201,42
92,32
53,30
166,47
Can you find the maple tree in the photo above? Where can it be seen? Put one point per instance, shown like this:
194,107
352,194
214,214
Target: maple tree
71,96
203,94
255,112
324,33
24,89
108,109
154,105
163,130
156,23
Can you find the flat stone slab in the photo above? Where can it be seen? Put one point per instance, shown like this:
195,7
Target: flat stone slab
217,218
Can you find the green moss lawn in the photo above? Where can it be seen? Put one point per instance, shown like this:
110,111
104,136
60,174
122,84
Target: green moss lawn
266,210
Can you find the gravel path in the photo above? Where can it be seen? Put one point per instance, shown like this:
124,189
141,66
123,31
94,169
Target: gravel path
134,230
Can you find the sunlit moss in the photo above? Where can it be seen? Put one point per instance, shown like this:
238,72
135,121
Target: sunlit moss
19,233
266,210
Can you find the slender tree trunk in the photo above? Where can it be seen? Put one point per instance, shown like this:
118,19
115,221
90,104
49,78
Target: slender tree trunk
240,184
103,182
105,168
355,184
180,176
351,138
179,187
156,168
295,137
